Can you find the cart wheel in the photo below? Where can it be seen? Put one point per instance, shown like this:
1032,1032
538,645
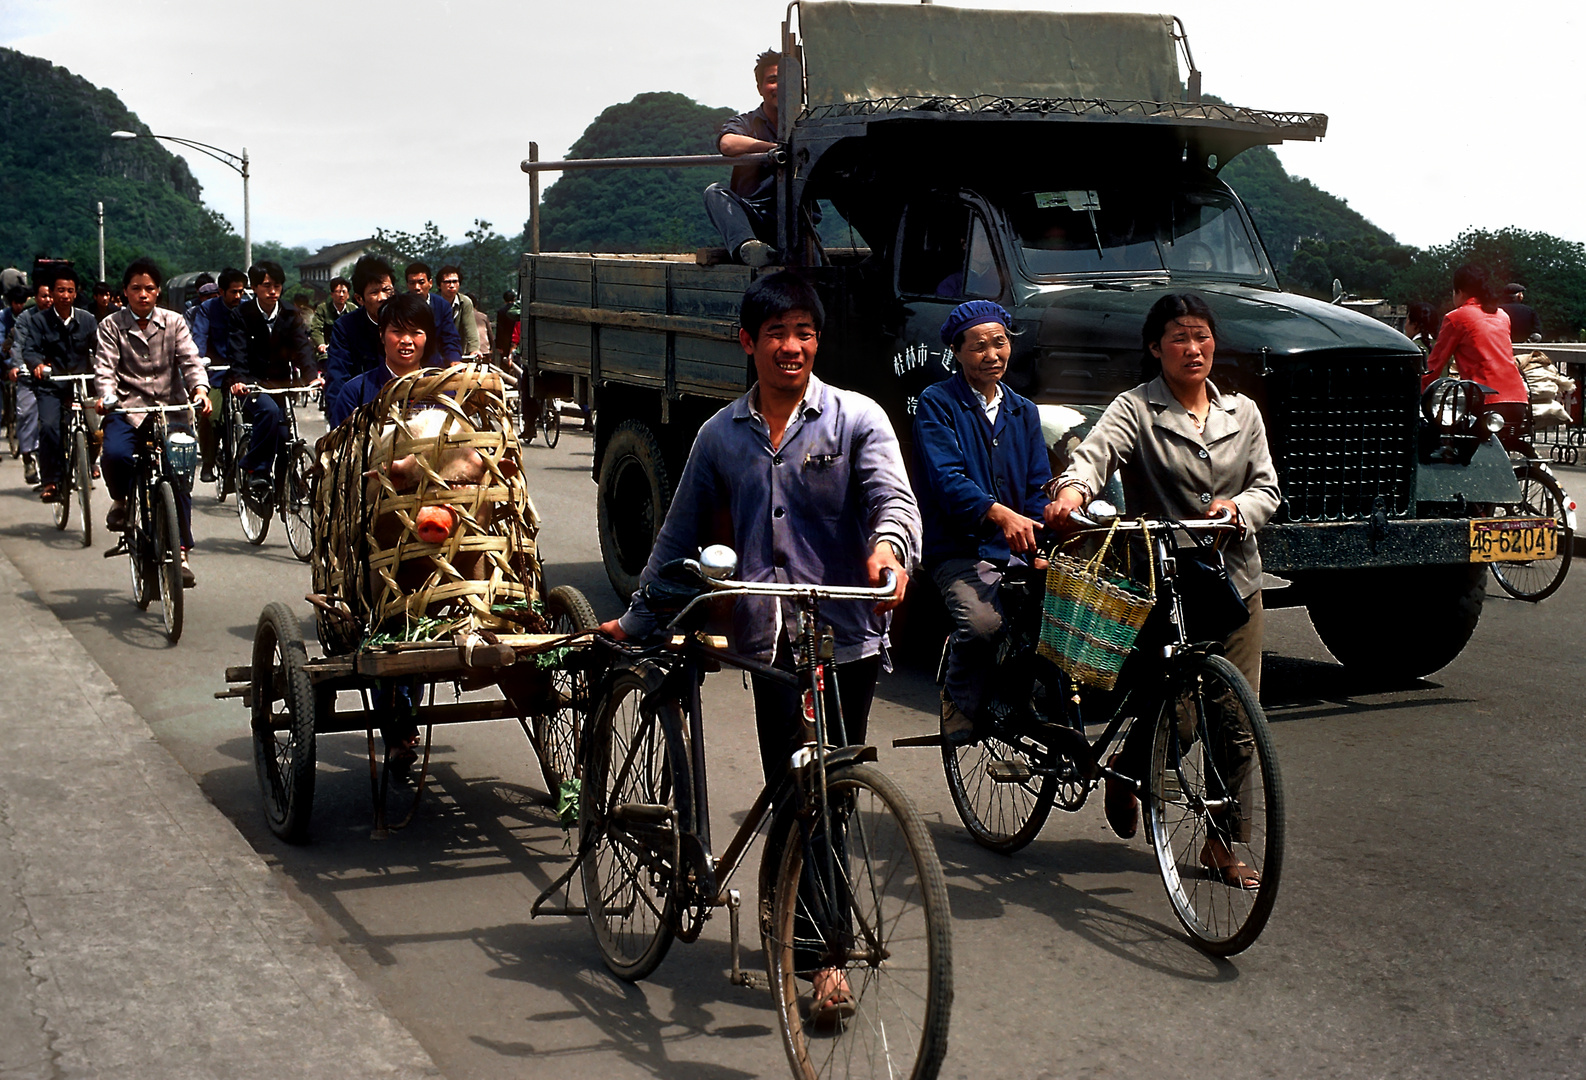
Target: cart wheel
557,730
283,723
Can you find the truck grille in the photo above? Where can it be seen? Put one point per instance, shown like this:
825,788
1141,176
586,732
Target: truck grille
1343,435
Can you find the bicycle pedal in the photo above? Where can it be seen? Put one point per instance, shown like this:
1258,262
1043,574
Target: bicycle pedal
1008,772
119,549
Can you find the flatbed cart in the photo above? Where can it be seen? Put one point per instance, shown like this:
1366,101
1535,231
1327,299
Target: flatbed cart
402,606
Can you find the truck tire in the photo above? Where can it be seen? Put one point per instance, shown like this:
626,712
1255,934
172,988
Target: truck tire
634,492
1396,624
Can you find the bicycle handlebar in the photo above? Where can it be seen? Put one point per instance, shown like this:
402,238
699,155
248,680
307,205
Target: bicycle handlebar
1224,520
723,589
256,388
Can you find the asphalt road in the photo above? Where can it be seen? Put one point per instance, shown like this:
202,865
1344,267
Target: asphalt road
1429,923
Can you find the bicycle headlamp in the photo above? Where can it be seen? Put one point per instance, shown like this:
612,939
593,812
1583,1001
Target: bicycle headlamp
1493,422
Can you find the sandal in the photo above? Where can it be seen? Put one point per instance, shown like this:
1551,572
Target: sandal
836,1006
1230,870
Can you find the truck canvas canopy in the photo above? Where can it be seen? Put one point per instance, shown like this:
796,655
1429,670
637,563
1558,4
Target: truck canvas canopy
863,52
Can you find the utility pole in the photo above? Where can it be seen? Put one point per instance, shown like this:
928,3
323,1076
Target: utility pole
99,212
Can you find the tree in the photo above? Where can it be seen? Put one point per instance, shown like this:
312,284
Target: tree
650,210
1552,269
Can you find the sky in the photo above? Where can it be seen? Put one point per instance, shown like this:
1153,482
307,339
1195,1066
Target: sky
1441,117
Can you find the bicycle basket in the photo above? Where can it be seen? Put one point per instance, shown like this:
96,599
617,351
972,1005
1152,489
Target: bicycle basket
1091,617
181,459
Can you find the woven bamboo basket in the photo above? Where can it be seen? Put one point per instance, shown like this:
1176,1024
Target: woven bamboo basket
1091,616
394,584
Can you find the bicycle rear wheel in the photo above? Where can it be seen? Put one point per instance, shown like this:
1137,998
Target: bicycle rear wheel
297,502
551,423
999,797
556,730
880,917
1540,496
628,810
253,514
168,559
62,507
1215,795
139,541
83,480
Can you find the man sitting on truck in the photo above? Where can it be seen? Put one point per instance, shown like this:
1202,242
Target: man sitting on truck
810,480
744,212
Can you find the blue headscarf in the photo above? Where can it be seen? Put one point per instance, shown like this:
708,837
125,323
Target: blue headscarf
973,313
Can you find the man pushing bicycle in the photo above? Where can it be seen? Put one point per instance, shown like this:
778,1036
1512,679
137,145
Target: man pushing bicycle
810,481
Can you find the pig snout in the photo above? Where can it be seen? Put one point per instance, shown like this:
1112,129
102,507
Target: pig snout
435,523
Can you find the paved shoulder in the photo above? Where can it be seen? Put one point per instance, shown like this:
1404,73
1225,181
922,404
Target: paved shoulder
140,935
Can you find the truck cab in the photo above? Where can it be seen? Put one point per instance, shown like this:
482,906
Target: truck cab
1075,186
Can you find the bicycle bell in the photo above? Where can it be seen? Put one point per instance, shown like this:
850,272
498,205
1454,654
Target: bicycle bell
718,561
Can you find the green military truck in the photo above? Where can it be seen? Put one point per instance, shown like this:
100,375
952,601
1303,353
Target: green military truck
1055,163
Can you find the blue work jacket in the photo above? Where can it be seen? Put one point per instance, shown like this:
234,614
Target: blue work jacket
354,348
963,464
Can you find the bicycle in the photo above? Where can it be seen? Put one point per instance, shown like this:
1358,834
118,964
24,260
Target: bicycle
76,466
1541,496
1031,753
291,492
152,535
849,878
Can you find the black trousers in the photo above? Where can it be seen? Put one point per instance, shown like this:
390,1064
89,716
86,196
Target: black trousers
822,920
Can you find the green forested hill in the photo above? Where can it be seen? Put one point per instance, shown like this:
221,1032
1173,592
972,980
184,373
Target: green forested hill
637,209
57,160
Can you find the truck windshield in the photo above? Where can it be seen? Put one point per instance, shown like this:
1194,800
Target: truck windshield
1122,230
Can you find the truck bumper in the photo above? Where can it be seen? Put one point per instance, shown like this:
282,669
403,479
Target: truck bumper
1349,545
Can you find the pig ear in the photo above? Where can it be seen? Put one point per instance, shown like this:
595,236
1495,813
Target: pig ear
508,467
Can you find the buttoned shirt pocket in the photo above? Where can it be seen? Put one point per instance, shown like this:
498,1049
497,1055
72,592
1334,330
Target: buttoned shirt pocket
824,479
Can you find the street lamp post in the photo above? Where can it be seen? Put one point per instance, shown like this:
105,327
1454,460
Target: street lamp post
230,160
99,212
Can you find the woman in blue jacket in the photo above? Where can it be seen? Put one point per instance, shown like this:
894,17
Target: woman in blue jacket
981,466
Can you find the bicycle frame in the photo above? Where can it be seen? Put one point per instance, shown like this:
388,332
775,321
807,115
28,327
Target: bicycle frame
687,658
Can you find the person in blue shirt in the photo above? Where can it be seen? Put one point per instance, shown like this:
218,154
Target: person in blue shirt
406,332
420,280
354,344
981,467
210,322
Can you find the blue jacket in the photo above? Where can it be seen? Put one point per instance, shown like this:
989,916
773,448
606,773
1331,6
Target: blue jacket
963,464
451,343
353,348
357,391
210,323
264,351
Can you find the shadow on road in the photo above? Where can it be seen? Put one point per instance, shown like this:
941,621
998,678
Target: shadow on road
487,828
1298,689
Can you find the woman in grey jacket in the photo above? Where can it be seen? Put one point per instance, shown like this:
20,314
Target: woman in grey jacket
1184,449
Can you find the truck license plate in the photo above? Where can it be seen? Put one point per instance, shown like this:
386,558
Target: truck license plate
1513,539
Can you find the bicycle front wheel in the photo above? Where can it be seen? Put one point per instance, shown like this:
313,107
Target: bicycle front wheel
297,503
83,480
557,729
168,559
1215,807
627,809
140,547
1537,579
872,906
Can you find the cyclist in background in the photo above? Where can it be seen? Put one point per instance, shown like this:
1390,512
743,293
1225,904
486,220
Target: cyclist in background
145,357
59,340
211,325
268,345
27,402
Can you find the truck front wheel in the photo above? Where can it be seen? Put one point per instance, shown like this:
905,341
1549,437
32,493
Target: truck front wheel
635,491
1394,624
